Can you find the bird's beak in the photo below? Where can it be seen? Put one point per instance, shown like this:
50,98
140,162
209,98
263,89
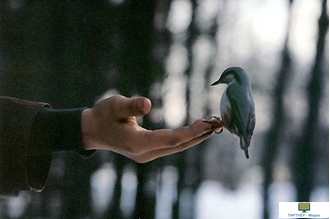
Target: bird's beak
217,82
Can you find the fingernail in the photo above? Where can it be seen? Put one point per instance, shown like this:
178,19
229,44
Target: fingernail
217,129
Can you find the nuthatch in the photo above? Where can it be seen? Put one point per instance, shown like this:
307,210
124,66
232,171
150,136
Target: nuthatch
236,106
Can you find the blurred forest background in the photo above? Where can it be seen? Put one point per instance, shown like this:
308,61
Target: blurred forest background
74,53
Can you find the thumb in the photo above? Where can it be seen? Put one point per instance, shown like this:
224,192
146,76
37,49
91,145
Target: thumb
138,106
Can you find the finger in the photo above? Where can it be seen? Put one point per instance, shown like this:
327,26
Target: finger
125,107
151,155
165,138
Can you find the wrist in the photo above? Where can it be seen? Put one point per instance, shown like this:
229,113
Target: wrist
88,130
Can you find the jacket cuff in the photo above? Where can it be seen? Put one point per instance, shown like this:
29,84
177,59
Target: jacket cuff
58,131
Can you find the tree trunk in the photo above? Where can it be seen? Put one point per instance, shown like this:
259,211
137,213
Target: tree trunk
136,68
275,133
304,159
184,168
114,210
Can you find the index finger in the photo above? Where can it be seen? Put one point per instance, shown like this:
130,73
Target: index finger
165,138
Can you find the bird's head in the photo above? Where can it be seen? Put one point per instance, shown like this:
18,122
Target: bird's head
232,74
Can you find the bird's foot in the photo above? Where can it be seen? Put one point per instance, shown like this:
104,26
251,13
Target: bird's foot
216,123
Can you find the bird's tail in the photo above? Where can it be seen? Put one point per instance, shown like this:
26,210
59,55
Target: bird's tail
245,143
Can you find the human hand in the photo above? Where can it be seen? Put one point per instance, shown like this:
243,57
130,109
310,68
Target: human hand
111,125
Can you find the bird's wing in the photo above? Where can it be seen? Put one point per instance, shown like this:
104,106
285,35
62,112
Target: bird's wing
238,102
251,124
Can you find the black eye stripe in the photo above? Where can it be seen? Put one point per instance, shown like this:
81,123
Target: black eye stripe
233,74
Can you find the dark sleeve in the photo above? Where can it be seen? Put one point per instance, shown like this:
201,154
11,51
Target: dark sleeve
58,131
29,133
16,119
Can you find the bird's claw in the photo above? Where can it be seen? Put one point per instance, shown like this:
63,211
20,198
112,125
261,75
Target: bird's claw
246,153
216,123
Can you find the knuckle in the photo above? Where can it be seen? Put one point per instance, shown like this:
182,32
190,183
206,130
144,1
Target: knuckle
173,140
114,106
198,130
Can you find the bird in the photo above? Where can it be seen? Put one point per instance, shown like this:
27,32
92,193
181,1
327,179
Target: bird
237,107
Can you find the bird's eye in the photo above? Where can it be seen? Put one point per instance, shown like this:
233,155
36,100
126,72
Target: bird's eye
230,77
